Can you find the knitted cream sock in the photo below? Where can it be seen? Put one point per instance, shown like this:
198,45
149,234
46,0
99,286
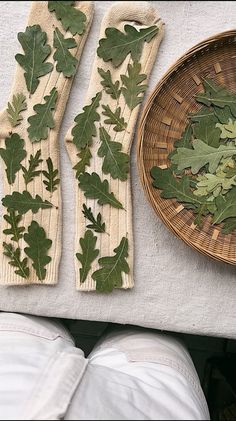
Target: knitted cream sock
31,255
118,222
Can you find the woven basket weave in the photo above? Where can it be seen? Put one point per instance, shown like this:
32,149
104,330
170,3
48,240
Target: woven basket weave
162,123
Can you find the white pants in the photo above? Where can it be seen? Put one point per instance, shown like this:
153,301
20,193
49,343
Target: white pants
130,375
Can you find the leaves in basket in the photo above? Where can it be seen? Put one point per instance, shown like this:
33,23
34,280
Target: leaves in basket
228,130
12,155
42,120
24,202
66,62
36,49
85,129
229,226
109,276
96,223
38,248
15,108
117,45
15,260
201,155
226,207
72,18
115,162
95,188
217,95
88,255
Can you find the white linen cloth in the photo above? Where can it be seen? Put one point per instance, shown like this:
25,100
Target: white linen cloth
175,287
130,375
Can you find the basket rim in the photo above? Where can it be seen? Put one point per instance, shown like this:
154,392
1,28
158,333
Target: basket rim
140,135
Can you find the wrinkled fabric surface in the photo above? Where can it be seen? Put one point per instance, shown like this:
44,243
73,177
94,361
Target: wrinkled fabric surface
130,374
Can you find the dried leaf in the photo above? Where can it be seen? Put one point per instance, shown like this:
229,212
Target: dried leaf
30,173
200,155
186,140
88,255
95,188
38,248
43,119
133,90
223,114
51,181
66,62
13,220
85,156
23,202
13,155
15,109
217,95
228,131
36,49
111,88
115,162
97,225
110,275
117,45
114,118
85,129
207,130
72,18
229,226
226,207
14,255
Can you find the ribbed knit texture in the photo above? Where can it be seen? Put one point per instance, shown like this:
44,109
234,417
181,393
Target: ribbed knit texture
49,219
118,222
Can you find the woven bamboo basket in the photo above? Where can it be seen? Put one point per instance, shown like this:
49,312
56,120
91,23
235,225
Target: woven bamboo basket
163,121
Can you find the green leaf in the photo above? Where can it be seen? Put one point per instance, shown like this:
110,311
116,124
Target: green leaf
207,130
132,85
15,109
88,255
85,156
115,162
72,19
117,45
111,88
200,155
14,255
114,118
174,189
228,131
30,173
51,181
36,49
42,120
13,220
95,188
186,140
110,275
229,226
85,129
217,95
38,248
223,114
66,62
201,114
226,207
97,224
23,202
13,155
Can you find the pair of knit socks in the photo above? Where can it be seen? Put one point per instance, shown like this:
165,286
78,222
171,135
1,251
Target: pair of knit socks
98,143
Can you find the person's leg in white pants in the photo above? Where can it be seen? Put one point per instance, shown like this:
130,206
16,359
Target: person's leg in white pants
129,375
